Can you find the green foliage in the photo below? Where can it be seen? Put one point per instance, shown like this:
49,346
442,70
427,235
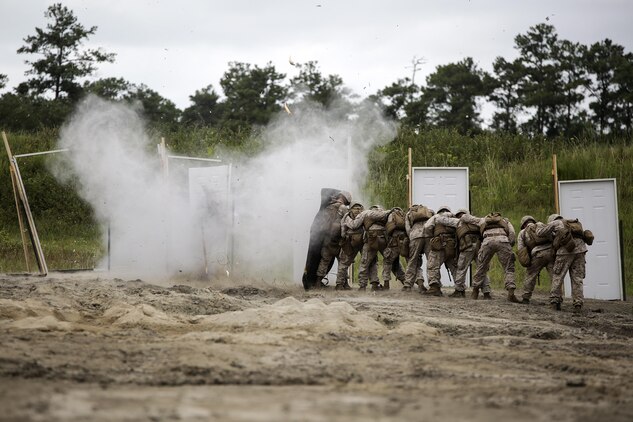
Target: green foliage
155,108
451,96
602,60
312,86
508,173
205,110
395,97
504,94
252,93
27,113
63,62
109,88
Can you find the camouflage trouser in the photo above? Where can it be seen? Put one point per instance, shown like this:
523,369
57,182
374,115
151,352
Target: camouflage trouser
539,260
368,268
329,251
435,261
575,264
390,255
504,253
345,259
464,259
417,247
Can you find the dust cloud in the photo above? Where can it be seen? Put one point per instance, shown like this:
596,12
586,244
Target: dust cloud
271,199
119,174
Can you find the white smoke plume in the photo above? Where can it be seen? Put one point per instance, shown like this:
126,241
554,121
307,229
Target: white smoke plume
119,174
274,196
278,193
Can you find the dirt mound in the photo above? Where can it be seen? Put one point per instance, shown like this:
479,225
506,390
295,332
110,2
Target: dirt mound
96,349
313,316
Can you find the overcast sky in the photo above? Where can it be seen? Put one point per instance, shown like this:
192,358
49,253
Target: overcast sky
176,47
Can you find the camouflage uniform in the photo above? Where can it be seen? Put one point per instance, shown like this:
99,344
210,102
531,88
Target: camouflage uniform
351,245
572,260
373,220
332,241
419,237
397,241
468,241
540,251
442,248
499,237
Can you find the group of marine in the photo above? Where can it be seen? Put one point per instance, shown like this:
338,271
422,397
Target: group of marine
453,240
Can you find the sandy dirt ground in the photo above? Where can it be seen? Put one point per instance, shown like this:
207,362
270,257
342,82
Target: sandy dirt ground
85,347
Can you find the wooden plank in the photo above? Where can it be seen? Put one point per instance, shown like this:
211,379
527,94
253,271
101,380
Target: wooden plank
17,201
555,176
410,182
35,240
20,221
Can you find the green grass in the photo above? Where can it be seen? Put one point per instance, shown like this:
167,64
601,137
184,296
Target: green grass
65,248
508,173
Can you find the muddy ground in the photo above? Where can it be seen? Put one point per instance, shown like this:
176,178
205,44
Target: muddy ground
90,348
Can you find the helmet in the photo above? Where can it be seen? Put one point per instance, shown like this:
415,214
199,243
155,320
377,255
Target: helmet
462,211
553,217
356,209
526,219
444,208
376,207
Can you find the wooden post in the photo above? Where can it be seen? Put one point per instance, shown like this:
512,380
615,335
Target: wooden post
20,221
163,158
410,182
555,178
35,240
17,201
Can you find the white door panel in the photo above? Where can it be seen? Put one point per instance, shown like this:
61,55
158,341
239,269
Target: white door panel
594,203
209,193
441,186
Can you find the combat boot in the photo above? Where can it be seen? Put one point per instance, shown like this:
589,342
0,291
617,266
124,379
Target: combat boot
421,286
406,288
525,301
578,309
344,286
386,285
434,290
555,306
362,288
458,293
487,296
511,297
475,293
376,287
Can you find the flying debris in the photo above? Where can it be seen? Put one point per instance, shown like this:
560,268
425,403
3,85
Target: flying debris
287,109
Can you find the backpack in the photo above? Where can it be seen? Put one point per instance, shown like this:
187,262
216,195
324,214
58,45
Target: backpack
523,255
532,239
396,222
495,221
419,213
564,238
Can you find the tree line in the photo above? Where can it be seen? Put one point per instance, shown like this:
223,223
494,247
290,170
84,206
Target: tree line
554,88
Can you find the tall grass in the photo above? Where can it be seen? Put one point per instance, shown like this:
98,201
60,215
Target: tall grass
508,173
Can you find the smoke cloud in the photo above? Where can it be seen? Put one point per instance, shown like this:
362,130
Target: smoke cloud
256,226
